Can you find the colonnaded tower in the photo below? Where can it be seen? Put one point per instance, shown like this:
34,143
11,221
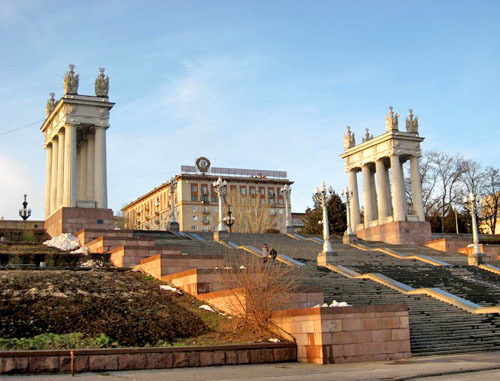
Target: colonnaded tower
386,215
75,141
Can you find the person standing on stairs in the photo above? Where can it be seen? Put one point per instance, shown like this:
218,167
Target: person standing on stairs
265,253
273,253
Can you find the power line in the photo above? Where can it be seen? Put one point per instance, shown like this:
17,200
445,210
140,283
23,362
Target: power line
20,128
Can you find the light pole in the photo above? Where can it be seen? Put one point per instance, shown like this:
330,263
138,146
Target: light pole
476,258
173,224
322,196
25,213
349,236
229,220
287,189
220,187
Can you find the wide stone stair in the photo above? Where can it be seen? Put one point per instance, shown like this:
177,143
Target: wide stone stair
435,327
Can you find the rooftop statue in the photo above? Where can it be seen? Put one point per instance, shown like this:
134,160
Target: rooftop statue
101,84
51,103
367,136
391,120
412,123
349,140
71,81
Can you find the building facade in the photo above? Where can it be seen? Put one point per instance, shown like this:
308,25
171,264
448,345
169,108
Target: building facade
254,198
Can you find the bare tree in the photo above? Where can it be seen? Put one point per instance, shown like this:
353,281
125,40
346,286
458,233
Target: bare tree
491,201
429,180
256,289
252,213
473,177
448,171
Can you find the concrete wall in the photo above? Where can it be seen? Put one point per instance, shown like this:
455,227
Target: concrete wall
71,220
98,360
331,335
398,233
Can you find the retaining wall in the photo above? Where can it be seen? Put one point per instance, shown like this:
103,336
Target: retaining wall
98,360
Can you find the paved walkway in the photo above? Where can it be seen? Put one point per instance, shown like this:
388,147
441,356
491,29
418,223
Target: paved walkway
482,366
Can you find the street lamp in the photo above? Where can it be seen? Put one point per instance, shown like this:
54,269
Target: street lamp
471,204
173,224
25,213
220,187
229,220
322,196
287,189
349,236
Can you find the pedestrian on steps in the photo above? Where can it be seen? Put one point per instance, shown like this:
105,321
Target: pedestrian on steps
265,253
273,254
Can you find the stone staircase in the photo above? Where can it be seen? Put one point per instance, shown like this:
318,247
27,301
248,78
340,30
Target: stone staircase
435,327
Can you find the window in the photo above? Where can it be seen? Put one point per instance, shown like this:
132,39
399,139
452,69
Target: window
205,229
280,201
204,189
271,201
243,191
205,209
215,209
193,198
205,219
270,192
280,192
214,198
262,201
194,188
204,198
272,212
282,211
252,191
215,228
281,220
194,227
195,218
195,208
262,191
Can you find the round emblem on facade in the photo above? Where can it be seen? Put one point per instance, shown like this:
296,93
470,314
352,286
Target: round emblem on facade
203,164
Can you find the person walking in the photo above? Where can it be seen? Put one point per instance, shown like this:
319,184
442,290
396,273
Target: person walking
273,254
265,253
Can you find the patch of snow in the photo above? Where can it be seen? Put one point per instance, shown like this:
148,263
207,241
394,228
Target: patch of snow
81,250
166,287
242,267
88,264
206,307
228,268
274,340
334,303
65,242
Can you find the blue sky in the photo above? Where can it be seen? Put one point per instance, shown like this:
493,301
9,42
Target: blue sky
248,84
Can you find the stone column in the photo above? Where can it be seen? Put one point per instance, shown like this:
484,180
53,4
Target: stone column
53,177
48,175
100,168
382,191
70,167
416,188
353,186
367,194
398,189
90,167
78,172
60,170
374,195
405,203
82,174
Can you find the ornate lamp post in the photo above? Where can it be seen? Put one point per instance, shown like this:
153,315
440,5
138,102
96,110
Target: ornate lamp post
220,187
25,213
229,220
471,204
322,196
349,236
287,189
173,224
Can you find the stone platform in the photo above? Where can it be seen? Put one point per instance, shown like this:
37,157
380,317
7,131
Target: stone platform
71,220
398,233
